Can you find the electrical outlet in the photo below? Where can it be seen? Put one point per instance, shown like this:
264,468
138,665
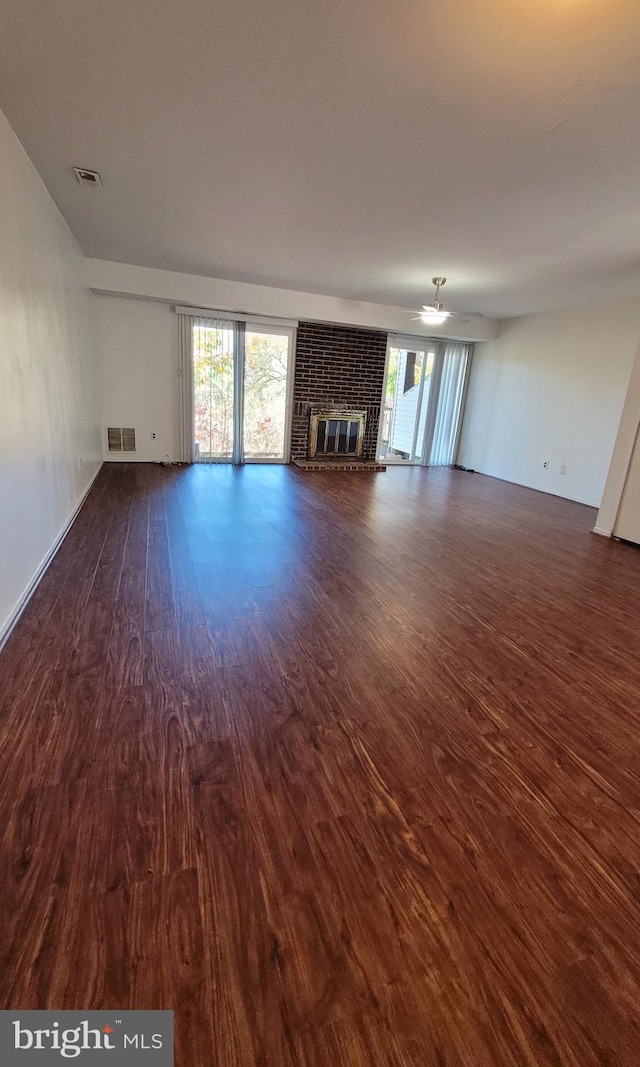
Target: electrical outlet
545,464
153,437
563,469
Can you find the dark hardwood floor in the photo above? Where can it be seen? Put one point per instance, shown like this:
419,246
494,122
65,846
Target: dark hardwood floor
344,769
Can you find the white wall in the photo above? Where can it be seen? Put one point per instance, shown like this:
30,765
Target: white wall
551,387
49,446
197,291
137,341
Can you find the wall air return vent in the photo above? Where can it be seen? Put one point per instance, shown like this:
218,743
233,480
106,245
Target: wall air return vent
121,439
87,177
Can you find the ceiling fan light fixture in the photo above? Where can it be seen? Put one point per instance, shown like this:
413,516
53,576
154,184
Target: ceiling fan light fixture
433,316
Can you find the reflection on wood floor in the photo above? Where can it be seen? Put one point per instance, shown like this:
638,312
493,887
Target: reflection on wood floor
344,769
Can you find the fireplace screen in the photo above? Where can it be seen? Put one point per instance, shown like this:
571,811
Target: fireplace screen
337,433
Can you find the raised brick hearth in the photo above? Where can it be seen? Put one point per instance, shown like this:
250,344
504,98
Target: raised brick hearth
356,465
337,367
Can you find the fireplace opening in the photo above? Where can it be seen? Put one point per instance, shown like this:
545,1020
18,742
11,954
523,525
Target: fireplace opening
337,433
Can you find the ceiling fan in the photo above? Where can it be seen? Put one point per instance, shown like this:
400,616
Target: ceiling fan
433,314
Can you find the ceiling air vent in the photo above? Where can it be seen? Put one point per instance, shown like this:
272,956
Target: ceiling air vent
87,177
121,439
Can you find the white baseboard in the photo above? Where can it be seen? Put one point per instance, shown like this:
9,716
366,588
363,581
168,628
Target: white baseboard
538,489
602,533
14,617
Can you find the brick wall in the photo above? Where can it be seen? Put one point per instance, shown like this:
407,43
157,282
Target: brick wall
337,366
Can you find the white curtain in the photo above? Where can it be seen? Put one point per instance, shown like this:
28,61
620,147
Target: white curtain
451,394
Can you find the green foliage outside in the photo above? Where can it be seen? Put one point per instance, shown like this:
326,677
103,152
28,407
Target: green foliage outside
265,388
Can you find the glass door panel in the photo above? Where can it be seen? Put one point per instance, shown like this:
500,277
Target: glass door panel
266,378
388,404
214,356
406,404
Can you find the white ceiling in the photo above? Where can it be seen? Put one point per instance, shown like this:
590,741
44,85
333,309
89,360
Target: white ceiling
347,147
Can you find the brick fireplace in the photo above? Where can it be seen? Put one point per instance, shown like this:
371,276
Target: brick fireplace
337,367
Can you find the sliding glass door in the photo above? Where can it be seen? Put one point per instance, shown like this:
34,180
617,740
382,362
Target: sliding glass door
422,401
242,373
406,401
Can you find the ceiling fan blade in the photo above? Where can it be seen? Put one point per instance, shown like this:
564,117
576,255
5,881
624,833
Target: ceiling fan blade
459,316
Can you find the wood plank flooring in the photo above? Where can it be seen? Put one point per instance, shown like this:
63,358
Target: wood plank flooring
345,770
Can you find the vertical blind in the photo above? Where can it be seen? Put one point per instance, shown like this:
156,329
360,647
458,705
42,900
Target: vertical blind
207,348
185,371
451,394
